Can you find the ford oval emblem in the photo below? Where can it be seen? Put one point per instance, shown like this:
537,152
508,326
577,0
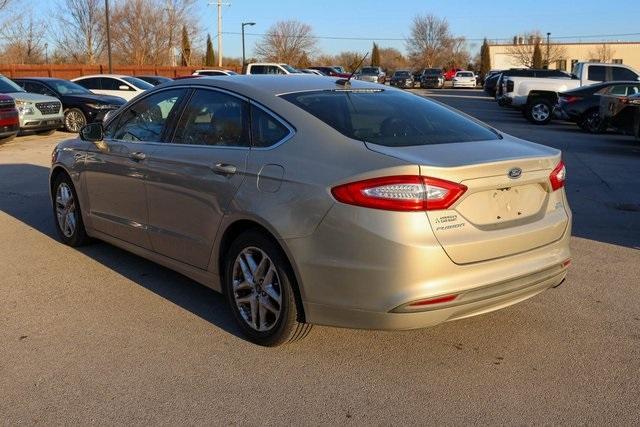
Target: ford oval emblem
515,173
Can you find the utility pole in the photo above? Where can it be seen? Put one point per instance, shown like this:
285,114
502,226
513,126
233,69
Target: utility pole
547,61
219,3
106,11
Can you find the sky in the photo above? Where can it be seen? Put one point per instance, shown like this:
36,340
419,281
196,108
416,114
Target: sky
388,22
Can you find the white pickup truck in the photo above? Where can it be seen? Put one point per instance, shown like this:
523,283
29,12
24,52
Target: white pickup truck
536,97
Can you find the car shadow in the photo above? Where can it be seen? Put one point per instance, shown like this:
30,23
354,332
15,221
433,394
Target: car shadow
24,196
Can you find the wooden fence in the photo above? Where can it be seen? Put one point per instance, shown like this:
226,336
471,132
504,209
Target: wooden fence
70,71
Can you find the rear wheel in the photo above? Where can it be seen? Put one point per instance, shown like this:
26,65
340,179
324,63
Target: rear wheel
66,212
592,122
539,110
259,287
74,120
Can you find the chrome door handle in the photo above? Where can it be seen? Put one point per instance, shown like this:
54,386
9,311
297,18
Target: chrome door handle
137,156
224,169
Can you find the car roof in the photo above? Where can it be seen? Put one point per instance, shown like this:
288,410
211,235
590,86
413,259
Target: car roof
119,76
38,78
273,85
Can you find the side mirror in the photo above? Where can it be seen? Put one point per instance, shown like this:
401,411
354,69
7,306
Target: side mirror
93,132
123,87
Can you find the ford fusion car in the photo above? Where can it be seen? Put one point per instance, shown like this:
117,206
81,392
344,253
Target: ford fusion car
319,201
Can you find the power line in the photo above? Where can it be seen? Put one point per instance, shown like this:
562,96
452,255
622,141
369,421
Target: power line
585,36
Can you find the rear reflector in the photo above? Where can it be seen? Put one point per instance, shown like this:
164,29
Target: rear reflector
431,301
558,176
400,193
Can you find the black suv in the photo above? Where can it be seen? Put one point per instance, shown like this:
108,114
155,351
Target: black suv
431,78
80,105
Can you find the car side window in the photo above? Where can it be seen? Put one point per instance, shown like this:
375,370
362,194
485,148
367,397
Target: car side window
112,84
619,73
258,69
597,73
266,130
214,118
618,90
90,83
37,88
146,119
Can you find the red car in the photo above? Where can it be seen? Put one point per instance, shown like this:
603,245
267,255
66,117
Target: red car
449,75
9,122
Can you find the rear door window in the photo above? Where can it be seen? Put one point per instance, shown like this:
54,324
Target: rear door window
90,83
214,118
622,74
112,84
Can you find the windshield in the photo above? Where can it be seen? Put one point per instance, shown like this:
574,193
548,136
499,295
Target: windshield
8,86
390,118
290,69
401,74
64,87
369,70
432,72
140,84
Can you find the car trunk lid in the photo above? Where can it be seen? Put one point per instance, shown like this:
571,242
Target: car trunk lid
509,206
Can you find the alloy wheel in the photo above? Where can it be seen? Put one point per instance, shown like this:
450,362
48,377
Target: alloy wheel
540,112
74,121
66,210
257,289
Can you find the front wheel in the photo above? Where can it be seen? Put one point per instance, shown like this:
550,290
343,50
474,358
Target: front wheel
258,282
66,212
74,120
539,111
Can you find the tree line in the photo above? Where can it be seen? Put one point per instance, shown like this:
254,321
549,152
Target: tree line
166,32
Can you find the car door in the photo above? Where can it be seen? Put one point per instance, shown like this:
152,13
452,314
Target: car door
116,168
194,178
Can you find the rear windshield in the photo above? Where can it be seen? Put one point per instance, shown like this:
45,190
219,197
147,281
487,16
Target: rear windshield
389,118
140,84
462,74
401,74
432,71
369,70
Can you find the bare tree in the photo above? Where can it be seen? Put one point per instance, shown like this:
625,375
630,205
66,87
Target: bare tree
430,42
82,30
287,41
602,53
392,59
350,60
521,52
4,4
144,31
24,41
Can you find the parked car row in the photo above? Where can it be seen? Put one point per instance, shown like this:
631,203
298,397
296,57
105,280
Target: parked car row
595,96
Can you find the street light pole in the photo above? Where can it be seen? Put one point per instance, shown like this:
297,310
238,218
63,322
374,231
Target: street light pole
106,11
243,25
547,61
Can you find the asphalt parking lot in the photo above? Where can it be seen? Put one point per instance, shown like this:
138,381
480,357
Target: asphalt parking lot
98,335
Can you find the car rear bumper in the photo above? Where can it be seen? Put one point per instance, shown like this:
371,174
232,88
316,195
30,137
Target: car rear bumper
358,277
464,84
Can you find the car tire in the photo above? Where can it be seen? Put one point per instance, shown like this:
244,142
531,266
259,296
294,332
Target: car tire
66,212
539,111
74,120
46,132
591,121
268,314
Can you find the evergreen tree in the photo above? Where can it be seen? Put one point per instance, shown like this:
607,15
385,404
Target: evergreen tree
210,59
485,59
185,57
536,61
375,56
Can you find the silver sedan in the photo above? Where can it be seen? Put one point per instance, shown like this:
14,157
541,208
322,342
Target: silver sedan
319,201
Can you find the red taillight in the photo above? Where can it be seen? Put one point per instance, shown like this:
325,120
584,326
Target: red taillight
558,176
436,300
571,99
400,193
